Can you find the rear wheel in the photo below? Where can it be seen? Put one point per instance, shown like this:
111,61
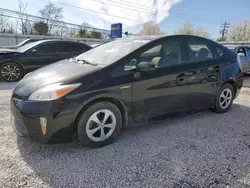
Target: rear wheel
99,124
224,98
11,72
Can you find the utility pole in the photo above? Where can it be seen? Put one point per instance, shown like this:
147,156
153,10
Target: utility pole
224,30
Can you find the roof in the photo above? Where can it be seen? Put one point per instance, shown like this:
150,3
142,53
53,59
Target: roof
155,37
146,37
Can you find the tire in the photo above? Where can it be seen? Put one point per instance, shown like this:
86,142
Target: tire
11,72
90,131
224,98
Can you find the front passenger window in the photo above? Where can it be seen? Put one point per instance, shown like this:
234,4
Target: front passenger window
152,55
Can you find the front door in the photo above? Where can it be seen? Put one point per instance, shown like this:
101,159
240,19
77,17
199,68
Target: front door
164,88
41,55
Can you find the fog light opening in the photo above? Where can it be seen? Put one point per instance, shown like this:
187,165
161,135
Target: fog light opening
43,123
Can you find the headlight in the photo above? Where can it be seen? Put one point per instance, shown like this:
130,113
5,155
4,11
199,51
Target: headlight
52,92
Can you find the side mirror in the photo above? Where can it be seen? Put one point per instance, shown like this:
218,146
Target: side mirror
131,65
241,54
145,66
33,50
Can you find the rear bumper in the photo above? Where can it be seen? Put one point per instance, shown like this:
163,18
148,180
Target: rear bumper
238,85
26,115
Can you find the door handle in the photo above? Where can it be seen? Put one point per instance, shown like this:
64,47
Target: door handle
215,68
188,73
181,79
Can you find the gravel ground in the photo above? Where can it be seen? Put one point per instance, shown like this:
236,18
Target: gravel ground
193,150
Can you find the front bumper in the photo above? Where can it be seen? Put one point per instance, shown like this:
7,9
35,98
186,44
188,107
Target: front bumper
26,115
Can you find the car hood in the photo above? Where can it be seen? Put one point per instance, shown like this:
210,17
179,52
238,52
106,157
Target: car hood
9,47
59,72
6,51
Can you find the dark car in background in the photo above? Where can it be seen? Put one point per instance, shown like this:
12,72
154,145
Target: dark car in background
14,64
127,80
26,41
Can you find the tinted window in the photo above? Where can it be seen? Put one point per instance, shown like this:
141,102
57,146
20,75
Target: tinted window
161,55
219,52
49,47
155,51
71,47
151,54
44,48
171,53
53,47
199,50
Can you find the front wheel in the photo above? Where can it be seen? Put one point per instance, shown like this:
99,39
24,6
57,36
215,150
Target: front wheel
11,72
99,124
224,98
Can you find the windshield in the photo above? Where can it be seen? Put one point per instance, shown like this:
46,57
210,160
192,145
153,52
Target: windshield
27,46
110,52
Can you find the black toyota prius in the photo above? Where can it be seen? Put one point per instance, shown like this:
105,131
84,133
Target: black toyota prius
121,82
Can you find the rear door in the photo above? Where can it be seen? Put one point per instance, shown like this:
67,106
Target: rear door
203,70
163,89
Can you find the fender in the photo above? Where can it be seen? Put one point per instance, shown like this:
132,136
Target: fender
109,95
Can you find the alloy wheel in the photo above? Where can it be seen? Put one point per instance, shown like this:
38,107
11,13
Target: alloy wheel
225,98
10,72
101,125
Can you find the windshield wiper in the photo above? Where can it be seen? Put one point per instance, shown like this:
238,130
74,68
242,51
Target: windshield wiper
84,61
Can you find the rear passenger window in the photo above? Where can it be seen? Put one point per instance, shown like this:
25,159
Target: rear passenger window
74,47
199,50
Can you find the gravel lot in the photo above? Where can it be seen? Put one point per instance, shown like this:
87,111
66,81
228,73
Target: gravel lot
193,150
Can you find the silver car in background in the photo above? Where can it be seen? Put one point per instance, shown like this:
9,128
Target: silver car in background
244,54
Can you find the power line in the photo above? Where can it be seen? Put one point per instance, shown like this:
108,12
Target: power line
138,21
10,14
160,10
224,30
65,4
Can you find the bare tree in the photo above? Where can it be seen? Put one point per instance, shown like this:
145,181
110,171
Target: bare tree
240,31
41,28
189,29
62,29
26,27
2,24
150,28
51,15
5,25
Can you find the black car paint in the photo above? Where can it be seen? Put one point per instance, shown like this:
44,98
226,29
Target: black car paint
30,61
138,95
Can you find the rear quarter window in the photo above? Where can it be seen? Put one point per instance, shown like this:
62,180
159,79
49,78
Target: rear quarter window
219,52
